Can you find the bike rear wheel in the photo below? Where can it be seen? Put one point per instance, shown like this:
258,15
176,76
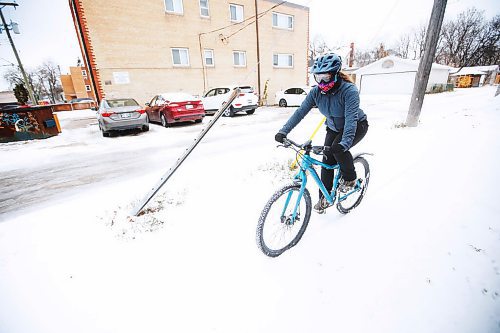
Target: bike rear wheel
349,201
276,230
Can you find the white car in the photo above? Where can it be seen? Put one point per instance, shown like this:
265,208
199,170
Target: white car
292,96
246,101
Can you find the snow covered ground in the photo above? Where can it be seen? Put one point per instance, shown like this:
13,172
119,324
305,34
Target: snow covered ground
420,254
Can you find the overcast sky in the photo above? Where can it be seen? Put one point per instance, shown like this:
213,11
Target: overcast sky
47,31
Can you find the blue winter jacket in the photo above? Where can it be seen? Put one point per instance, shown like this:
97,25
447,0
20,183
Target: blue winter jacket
340,107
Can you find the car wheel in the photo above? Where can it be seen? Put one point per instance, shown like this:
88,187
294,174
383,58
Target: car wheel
251,111
229,112
197,121
282,103
104,133
145,128
164,122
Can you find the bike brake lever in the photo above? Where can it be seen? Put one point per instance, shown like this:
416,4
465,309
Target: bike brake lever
319,150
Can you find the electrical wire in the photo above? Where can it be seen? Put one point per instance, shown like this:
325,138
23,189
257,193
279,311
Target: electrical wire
249,18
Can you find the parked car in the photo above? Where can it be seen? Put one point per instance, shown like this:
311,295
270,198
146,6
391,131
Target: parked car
291,96
121,114
169,108
246,101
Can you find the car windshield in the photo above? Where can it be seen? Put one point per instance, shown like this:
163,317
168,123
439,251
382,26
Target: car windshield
246,89
116,103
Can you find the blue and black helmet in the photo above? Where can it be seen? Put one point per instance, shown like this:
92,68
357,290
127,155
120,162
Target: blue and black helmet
328,63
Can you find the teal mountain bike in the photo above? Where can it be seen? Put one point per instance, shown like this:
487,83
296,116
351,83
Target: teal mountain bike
286,215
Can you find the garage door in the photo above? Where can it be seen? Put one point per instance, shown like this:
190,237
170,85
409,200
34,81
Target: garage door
387,83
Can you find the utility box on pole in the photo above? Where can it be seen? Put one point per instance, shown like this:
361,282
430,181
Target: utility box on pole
424,68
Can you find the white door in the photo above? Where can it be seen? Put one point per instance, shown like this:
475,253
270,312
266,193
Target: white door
301,96
210,100
390,83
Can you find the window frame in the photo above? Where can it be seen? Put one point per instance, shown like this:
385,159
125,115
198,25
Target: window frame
277,26
278,62
174,11
207,8
244,57
205,58
88,87
84,73
208,92
236,6
180,57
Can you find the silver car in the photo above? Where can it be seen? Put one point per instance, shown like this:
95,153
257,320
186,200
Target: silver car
121,114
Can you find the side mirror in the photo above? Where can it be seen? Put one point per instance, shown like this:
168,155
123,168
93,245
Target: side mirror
147,104
304,93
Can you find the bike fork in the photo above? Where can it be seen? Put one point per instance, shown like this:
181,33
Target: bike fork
297,203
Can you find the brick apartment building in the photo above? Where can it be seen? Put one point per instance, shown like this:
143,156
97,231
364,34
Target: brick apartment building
77,84
139,49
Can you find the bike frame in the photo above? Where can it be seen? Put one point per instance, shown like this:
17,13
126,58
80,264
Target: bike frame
306,164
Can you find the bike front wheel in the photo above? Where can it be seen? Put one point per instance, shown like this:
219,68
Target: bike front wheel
279,228
350,200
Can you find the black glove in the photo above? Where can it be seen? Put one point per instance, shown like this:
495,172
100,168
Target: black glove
280,137
336,148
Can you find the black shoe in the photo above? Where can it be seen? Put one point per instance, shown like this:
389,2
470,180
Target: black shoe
321,206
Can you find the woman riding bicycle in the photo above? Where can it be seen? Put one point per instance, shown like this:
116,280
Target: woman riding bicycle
337,98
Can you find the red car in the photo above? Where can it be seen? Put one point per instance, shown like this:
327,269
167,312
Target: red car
169,108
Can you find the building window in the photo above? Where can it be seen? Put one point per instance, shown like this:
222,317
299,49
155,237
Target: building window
282,21
84,73
174,6
282,60
204,8
236,13
239,58
87,87
208,55
180,57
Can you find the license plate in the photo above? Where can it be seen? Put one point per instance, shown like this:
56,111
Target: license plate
125,115
249,101
189,106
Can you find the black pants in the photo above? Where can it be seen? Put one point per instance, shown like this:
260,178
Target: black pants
344,159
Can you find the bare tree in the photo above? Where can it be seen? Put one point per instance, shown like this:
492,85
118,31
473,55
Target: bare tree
317,47
44,80
363,58
470,40
49,74
402,47
418,42
13,76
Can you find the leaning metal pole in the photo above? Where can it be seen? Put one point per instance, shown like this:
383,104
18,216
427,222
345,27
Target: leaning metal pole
21,68
170,172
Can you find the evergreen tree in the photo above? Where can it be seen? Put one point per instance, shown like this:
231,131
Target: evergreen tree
21,94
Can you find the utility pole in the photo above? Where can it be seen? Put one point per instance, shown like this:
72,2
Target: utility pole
21,68
258,50
424,68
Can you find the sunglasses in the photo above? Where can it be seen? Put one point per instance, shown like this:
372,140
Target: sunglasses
323,77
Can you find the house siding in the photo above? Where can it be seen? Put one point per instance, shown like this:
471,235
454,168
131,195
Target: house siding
135,41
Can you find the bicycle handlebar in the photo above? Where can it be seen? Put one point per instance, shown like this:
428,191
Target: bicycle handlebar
307,146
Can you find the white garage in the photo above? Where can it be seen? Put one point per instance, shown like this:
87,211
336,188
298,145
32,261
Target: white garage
393,75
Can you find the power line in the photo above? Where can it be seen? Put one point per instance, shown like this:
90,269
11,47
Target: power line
249,18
